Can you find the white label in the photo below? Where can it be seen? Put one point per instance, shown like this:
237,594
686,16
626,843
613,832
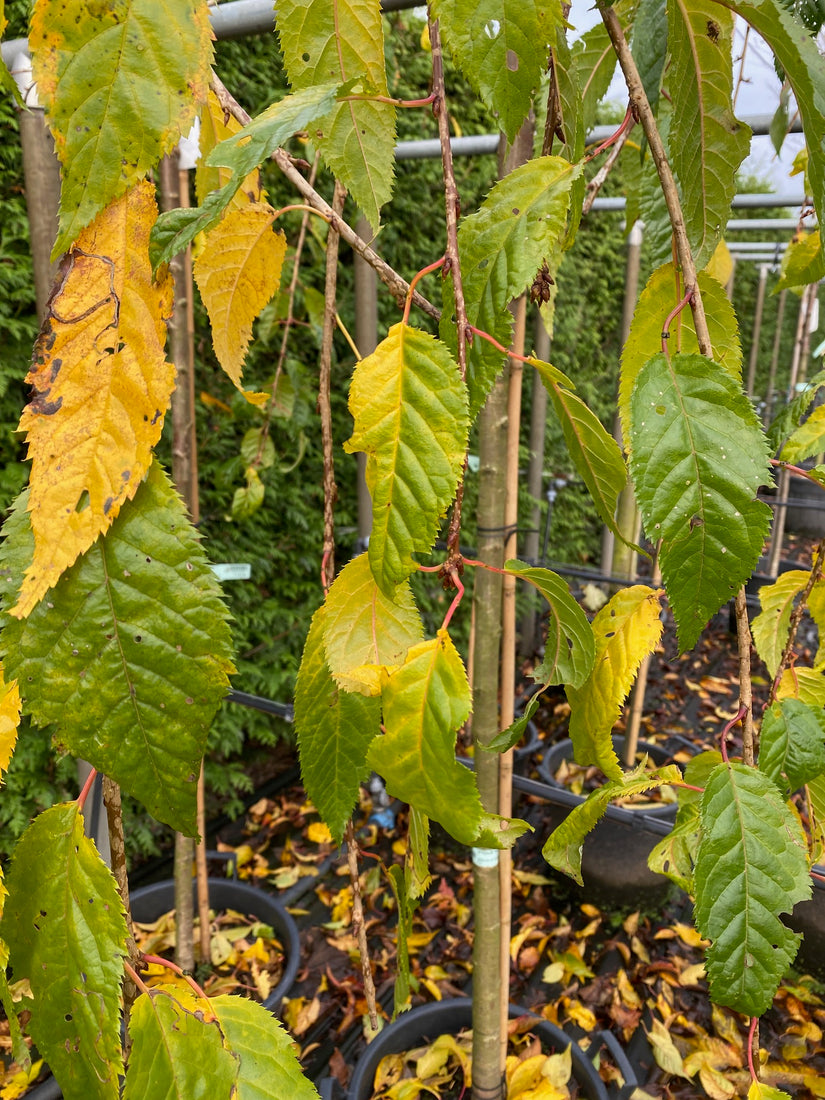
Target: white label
233,571
485,857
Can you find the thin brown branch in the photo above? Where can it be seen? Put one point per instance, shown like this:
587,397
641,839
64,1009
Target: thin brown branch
642,109
796,619
358,926
598,181
324,406
397,286
743,638
452,265
289,322
552,119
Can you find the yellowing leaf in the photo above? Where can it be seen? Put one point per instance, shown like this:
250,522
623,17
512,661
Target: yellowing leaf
664,1049
215,128
410,410
367,633
626,630
121,83
770,627
806,684
237,272
760,1091
101,386
9,721
720,265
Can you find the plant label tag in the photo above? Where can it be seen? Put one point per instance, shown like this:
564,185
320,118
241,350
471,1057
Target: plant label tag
233,571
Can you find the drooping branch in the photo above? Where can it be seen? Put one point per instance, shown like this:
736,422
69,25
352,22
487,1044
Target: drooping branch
642,109
397,286
324,406
452,266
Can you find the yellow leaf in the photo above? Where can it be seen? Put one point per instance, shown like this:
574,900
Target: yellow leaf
553,973
720,265
318,832
101,387
9,721
18,1084
807,684
667,1056
692,975
579,1013
216,127
558,1068
237,273
688,934
717,1085
626,630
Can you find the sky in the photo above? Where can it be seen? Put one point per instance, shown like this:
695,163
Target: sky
758,94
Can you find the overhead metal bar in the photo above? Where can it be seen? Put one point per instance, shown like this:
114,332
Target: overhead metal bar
740,247
763,224
769,199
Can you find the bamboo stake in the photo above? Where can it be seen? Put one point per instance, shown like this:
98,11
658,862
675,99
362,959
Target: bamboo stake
508,652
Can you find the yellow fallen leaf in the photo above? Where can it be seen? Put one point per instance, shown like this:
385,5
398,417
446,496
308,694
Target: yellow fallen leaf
18,1084
580,1014
558,1068
664,1049
318,832
553,973
716,1084
101,385
688,934
692,975
525,1075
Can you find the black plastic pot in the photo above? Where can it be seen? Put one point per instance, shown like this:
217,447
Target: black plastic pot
614,857
427,1022
806,508
46,1090
150,902
808,917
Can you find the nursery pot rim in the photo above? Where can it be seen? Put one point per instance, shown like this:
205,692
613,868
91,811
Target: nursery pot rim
563,750
451,1015
225,894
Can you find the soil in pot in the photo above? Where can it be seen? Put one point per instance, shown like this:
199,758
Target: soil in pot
430,1043
255,944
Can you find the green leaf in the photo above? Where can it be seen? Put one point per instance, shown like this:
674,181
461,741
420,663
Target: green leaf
808,439
572,125
502,247
789,418
675,854
418,854
798,55
780,123
247,499
792,744
501,47
770,627
649,46
645,337
269,1066
334,731
625,630
93,64
399,882
128,655
698,457
177,1054
570,650
595,453
508,738
802,262
751,866
425,701
366,632
595,63
242,152
409,405
66,931
344,42
707,143
563,848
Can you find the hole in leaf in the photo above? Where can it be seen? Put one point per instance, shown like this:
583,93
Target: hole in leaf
83,501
